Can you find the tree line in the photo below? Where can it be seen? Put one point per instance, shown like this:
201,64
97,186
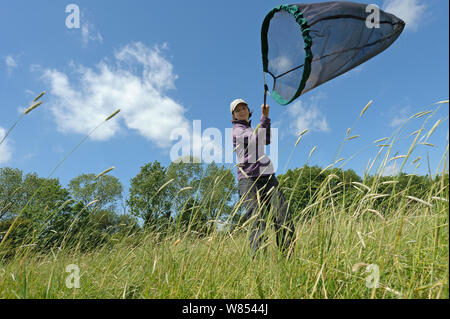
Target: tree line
91,211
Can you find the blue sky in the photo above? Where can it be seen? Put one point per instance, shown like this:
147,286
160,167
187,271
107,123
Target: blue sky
166,64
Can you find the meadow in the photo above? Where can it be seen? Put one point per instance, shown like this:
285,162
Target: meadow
352,240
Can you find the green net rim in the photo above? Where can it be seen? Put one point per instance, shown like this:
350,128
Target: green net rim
298,15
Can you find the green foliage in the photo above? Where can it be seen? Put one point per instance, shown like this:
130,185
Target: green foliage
200,193
147,200
107,190
21,229
43,197
10,191
217,188
184,193
186,176
33,197
52,217
302,186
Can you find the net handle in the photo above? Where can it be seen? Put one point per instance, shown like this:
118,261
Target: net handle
266,88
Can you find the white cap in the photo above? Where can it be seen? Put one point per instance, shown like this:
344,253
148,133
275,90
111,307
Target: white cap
236,103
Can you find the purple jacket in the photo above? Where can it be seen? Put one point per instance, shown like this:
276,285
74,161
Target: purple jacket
249,147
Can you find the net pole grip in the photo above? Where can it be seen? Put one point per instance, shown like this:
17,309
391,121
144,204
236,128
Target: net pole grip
266,88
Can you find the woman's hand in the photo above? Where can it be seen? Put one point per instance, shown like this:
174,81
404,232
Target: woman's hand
265,110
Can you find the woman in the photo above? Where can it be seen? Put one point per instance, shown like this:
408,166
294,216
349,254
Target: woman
256,174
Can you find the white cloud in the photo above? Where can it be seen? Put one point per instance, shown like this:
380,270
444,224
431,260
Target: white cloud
29,156
281,64
400,117
136,83
307,117
410,11
11,63
355,71
5,149
89,34
390,170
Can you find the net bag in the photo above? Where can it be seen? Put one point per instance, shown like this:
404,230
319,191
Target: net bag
305,45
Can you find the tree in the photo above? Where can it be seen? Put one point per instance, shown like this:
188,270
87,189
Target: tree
148,199
10,192
32,197
126,224
186,191
107,190
302,186
35,204
16,236
201,193
186,176
217,189
41,197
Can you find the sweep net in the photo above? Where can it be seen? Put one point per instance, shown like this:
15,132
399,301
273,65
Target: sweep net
305,45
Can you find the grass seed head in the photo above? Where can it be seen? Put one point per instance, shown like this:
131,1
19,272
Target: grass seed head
397,157
428,144
353,137
420,114
381,140
104,172
165,184
365,108
112,115
39,96
326,168
419,200
298,140
256,129
31,108
433,128
312,151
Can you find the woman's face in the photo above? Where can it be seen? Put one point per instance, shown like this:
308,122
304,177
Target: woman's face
241,112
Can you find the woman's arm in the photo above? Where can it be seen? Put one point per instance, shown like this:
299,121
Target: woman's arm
265,121
250,138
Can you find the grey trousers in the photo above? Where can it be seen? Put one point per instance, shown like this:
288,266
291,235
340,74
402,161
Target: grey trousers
284,228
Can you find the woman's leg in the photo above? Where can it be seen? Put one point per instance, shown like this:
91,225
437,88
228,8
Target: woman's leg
248,191
284,227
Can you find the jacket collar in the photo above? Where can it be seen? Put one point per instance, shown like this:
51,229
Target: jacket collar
243,122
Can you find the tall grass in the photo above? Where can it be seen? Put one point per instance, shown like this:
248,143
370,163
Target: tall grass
410,249
334,243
